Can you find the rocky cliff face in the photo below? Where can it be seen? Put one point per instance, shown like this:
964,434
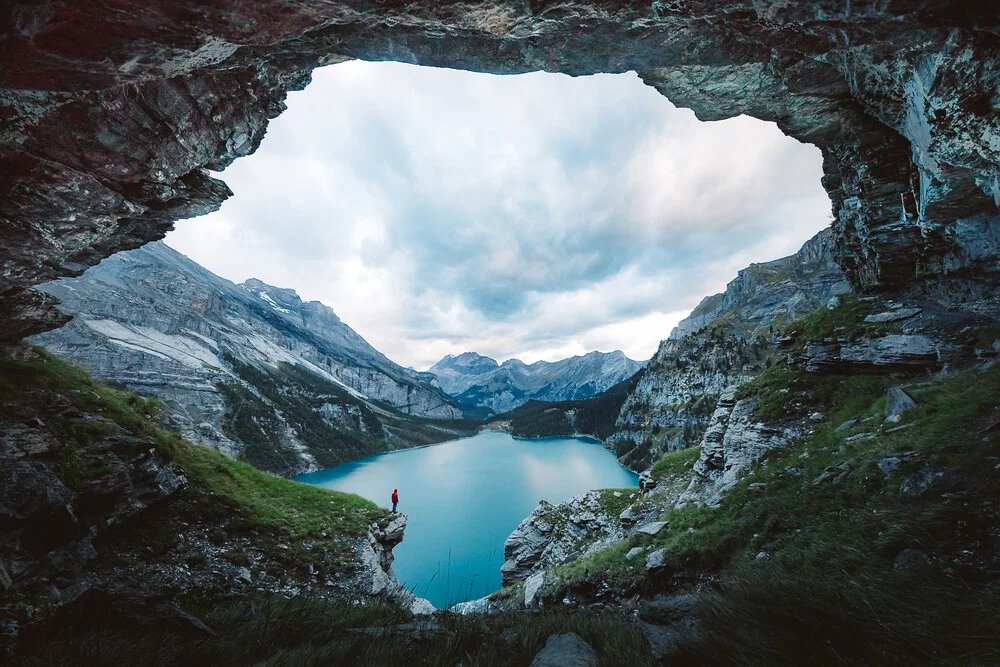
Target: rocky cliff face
726,338
95,501
112,116
477,380
249,369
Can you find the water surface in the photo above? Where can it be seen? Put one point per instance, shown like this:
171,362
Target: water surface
464,498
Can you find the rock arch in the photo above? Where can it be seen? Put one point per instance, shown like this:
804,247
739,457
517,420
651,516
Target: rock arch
112,113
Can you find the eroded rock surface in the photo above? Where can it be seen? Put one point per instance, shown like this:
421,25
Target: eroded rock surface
722,342
733,442
112,116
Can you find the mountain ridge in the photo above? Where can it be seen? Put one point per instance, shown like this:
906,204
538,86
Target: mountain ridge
474,379
250,369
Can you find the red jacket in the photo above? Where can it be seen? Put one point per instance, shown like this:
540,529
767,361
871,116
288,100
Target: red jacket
395,497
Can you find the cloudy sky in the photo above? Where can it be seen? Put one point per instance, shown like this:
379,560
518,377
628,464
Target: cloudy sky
535,216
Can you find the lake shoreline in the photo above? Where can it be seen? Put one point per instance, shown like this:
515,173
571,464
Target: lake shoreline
463,499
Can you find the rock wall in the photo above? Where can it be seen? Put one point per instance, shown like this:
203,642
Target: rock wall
725,338
112,114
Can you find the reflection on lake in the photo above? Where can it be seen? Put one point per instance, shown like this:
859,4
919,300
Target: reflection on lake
464,498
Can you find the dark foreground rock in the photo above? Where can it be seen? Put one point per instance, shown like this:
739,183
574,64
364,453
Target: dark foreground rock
566,650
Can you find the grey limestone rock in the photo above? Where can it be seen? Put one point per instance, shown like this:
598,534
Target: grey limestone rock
894,315
652,528
921,483
532,586
566,650
657,561
897,402
887,354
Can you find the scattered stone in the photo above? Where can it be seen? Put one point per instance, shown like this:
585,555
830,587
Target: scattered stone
921,483
479,606
894,315
757,486
833,303
532,585
860,437
850,423
651,528
656,561
420,630
889,464
666,620
646,482
816,417
897,402
762,556
617,494
633,552
566,650
245,575
628,517
794,471
899,428
893,419
912,560
836,474
422,607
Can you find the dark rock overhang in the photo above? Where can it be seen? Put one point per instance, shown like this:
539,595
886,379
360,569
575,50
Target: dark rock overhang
113,112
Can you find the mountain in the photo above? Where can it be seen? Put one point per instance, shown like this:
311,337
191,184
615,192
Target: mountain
726,337
251,369
477,380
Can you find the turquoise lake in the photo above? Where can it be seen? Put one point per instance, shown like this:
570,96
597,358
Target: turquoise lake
464,497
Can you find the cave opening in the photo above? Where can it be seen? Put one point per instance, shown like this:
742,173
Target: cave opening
531,216
807,493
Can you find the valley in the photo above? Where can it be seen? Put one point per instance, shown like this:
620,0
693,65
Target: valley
197,471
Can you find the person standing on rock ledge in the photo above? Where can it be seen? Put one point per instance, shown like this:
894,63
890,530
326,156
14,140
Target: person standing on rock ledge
395,499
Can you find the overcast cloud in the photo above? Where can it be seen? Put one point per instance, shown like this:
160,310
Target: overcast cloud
536,216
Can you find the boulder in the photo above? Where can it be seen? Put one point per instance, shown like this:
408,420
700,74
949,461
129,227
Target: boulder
656,561
897,402
921,483
566,650
532,585
633,552
651,528
889,464
912,560
665,620
892,315
836,474
646,482
850,423
628,517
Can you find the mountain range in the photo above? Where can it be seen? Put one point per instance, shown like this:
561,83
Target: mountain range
473,379
250,369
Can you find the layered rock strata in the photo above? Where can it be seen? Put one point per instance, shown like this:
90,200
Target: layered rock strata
113,116
729,337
